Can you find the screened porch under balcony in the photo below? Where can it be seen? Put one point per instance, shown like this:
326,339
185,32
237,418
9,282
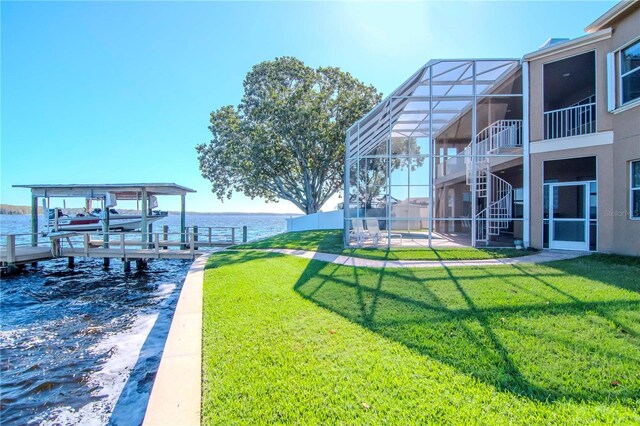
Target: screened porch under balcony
439,162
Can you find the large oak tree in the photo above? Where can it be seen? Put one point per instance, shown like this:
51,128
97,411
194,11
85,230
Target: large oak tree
286,138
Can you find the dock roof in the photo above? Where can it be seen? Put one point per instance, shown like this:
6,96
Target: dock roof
123,191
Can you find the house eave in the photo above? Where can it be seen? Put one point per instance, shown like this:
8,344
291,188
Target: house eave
569,45
609,16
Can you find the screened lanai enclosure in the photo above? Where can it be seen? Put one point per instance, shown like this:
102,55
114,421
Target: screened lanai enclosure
439,162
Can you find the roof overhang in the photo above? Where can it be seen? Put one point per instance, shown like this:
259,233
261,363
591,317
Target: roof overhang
610,15
569,45
126,191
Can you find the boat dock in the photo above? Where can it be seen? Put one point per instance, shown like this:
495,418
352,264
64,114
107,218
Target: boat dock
16,249
111,242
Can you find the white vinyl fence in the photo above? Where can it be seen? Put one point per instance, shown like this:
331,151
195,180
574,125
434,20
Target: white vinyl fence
323,220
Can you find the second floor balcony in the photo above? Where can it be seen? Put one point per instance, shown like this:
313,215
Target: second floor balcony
569,100
578,119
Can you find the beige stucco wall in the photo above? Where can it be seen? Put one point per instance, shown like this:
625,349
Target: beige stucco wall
626,29
626,147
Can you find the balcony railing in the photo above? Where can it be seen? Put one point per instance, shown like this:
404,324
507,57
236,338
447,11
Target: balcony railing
576,120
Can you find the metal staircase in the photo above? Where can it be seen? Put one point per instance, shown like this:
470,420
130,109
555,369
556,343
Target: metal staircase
494,194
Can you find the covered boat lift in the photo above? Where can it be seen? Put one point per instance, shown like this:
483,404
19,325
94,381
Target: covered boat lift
124,191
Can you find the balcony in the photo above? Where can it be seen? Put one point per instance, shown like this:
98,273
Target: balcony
578,119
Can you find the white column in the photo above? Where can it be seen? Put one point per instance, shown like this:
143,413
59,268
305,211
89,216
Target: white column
474,151
526,182
346,215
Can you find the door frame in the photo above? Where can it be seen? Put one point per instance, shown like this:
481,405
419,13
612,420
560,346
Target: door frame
570,245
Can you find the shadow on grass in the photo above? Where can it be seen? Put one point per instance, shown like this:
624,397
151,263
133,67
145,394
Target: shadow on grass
331,241
512,327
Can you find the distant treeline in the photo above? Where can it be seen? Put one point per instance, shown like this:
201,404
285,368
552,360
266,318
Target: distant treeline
11,209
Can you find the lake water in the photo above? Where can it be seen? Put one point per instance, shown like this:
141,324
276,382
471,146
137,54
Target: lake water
82,345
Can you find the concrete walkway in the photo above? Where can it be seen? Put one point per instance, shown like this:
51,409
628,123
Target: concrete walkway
176,394
540,257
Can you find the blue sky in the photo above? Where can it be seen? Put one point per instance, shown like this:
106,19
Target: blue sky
122,91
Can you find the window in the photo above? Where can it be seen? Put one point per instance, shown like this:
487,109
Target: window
630,73
635,190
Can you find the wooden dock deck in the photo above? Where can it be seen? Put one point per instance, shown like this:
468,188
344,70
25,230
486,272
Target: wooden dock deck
23,255
127,246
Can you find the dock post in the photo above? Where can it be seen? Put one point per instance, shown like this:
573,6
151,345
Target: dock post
233,235
141,264
11,249
86,244
209,236
156,244
34,220
105,262
127,265
195,237
105,228
182,220
244,234
70,263
150,232
165,235
192,243
144,211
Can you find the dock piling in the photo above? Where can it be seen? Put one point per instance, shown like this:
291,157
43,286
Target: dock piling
34,220
144,212
183,228
141,264
195,236
87,240
165,235
11,249
244,234
70,262
156,244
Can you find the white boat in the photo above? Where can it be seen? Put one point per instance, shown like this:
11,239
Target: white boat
93,221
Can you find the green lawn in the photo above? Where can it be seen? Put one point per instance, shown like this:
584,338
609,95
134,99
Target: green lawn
330,241
296,341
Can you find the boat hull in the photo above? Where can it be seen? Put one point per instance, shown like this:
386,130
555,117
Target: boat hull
92,223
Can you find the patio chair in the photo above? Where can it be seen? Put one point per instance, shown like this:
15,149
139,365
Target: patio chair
358,231
374,231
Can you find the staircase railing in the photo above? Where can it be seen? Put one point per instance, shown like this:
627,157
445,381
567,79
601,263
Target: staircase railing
502,134
494,218
496,192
